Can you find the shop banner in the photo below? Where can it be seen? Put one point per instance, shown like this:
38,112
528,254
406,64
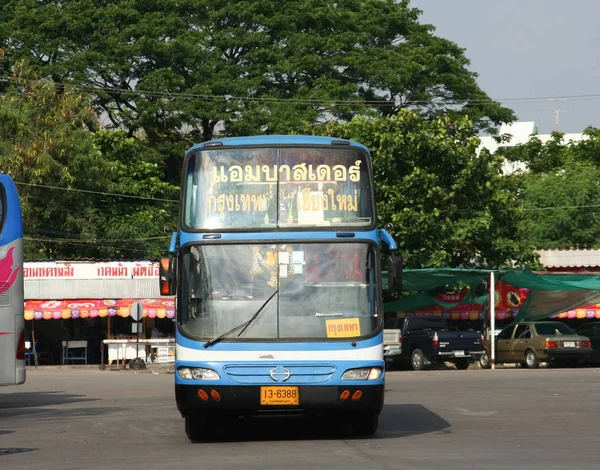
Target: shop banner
65,309
108,270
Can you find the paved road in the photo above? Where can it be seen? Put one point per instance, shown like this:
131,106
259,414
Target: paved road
483,419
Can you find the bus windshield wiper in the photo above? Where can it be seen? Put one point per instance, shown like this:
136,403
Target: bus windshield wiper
244,325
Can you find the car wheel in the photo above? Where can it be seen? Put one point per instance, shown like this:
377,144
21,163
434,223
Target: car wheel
531,359
417,360
462,364
365,423
484,360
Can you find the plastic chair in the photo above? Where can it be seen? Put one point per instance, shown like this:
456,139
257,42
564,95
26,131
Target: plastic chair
29,354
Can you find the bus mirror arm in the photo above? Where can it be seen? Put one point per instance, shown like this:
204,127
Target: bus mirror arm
389,244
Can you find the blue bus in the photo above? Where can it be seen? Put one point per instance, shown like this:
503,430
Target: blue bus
12,323
277,270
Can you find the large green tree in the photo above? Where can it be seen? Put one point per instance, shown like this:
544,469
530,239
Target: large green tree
561,188
450,207
184,71
70,173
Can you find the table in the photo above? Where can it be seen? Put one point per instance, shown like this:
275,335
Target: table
127,349
72,351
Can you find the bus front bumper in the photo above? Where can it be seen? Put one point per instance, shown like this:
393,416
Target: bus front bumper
247,399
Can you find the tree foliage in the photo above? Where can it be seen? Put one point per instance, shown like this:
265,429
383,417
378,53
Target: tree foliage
561,188
66,168
449,206
182,71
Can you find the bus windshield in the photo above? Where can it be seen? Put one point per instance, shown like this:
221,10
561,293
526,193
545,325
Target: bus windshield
267,188
303,291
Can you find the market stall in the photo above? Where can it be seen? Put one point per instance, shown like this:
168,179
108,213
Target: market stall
156,350
90,302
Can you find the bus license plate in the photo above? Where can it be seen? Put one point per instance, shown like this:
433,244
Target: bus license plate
279,396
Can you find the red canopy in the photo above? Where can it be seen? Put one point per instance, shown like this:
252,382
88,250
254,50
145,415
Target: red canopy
65,309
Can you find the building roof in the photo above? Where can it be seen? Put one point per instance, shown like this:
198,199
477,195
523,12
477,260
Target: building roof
569,258
521,133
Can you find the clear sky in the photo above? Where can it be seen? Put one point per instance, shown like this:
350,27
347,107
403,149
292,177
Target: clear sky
529,48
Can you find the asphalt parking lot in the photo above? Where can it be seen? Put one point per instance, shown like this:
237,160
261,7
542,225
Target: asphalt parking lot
484,419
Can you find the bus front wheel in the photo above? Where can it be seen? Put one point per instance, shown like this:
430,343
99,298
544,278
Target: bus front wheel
365,423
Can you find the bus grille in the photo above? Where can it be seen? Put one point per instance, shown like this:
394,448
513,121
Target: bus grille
5,299
300,374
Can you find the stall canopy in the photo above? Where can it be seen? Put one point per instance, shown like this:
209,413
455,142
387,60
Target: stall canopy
66,309
552,294
521,294
432,287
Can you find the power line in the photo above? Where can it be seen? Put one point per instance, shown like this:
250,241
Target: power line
265,99
523,209
207,97
82,244
85,244
94,240
586,206
96,192
174,200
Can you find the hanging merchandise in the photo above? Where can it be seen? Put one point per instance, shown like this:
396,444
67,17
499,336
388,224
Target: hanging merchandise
272,264
257,260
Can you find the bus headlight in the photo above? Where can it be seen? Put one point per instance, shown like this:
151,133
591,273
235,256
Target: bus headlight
365,373
197,373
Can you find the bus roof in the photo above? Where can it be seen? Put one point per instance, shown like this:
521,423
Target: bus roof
276,140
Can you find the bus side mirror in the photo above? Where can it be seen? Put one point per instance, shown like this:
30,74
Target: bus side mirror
167,276
394,271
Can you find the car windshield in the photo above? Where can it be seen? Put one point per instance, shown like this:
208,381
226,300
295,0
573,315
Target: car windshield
306,291
553,329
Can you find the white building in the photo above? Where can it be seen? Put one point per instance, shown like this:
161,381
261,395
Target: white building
520,133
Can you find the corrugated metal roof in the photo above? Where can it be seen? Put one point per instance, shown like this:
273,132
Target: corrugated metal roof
59,289
569,258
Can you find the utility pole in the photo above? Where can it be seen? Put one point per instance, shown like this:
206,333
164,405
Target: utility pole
557,113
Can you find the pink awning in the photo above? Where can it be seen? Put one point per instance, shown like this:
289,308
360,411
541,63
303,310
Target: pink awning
65,309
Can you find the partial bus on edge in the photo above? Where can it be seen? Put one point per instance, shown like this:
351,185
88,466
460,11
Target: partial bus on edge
12,323
276,266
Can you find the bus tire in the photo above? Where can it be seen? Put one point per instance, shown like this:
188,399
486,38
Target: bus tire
365,423
196,427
